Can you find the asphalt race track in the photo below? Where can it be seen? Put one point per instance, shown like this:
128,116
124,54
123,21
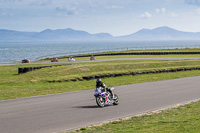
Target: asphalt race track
99,60
65,111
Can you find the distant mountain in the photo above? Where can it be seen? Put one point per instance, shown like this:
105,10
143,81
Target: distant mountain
51,35
10,35
63,34
160,33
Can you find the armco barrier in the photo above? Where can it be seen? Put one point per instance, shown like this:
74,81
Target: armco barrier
129,73
140,53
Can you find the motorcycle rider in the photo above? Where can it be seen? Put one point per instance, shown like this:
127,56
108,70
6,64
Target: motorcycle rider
92,57
99,83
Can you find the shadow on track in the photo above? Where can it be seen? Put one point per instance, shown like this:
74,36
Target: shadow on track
88,107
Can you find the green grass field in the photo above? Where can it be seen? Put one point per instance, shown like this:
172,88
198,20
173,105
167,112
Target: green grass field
35,83
183,119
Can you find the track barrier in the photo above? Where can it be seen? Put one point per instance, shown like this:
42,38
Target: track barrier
92,77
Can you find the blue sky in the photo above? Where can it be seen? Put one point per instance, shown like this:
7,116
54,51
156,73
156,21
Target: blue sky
117,17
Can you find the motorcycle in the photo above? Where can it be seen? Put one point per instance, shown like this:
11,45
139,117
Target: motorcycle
104,98
71,59
54,60
92,58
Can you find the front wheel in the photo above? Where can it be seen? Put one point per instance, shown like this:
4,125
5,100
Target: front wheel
100,101
116,100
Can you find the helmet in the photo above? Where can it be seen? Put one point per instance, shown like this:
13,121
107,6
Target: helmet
99,82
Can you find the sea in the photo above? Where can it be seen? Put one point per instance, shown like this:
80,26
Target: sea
11,52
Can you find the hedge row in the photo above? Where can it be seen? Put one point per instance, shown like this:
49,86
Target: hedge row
22,70
128,73
140,53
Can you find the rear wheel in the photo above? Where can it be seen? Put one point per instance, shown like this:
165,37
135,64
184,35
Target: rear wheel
100,101
116,100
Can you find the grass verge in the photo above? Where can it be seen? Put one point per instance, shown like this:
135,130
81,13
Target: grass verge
25,89
181,119
78,70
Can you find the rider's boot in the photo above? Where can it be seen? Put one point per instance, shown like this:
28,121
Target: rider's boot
112,95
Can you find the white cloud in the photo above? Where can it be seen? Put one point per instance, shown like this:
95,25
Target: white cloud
146,15
114,7
157,10
66,11
162,10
